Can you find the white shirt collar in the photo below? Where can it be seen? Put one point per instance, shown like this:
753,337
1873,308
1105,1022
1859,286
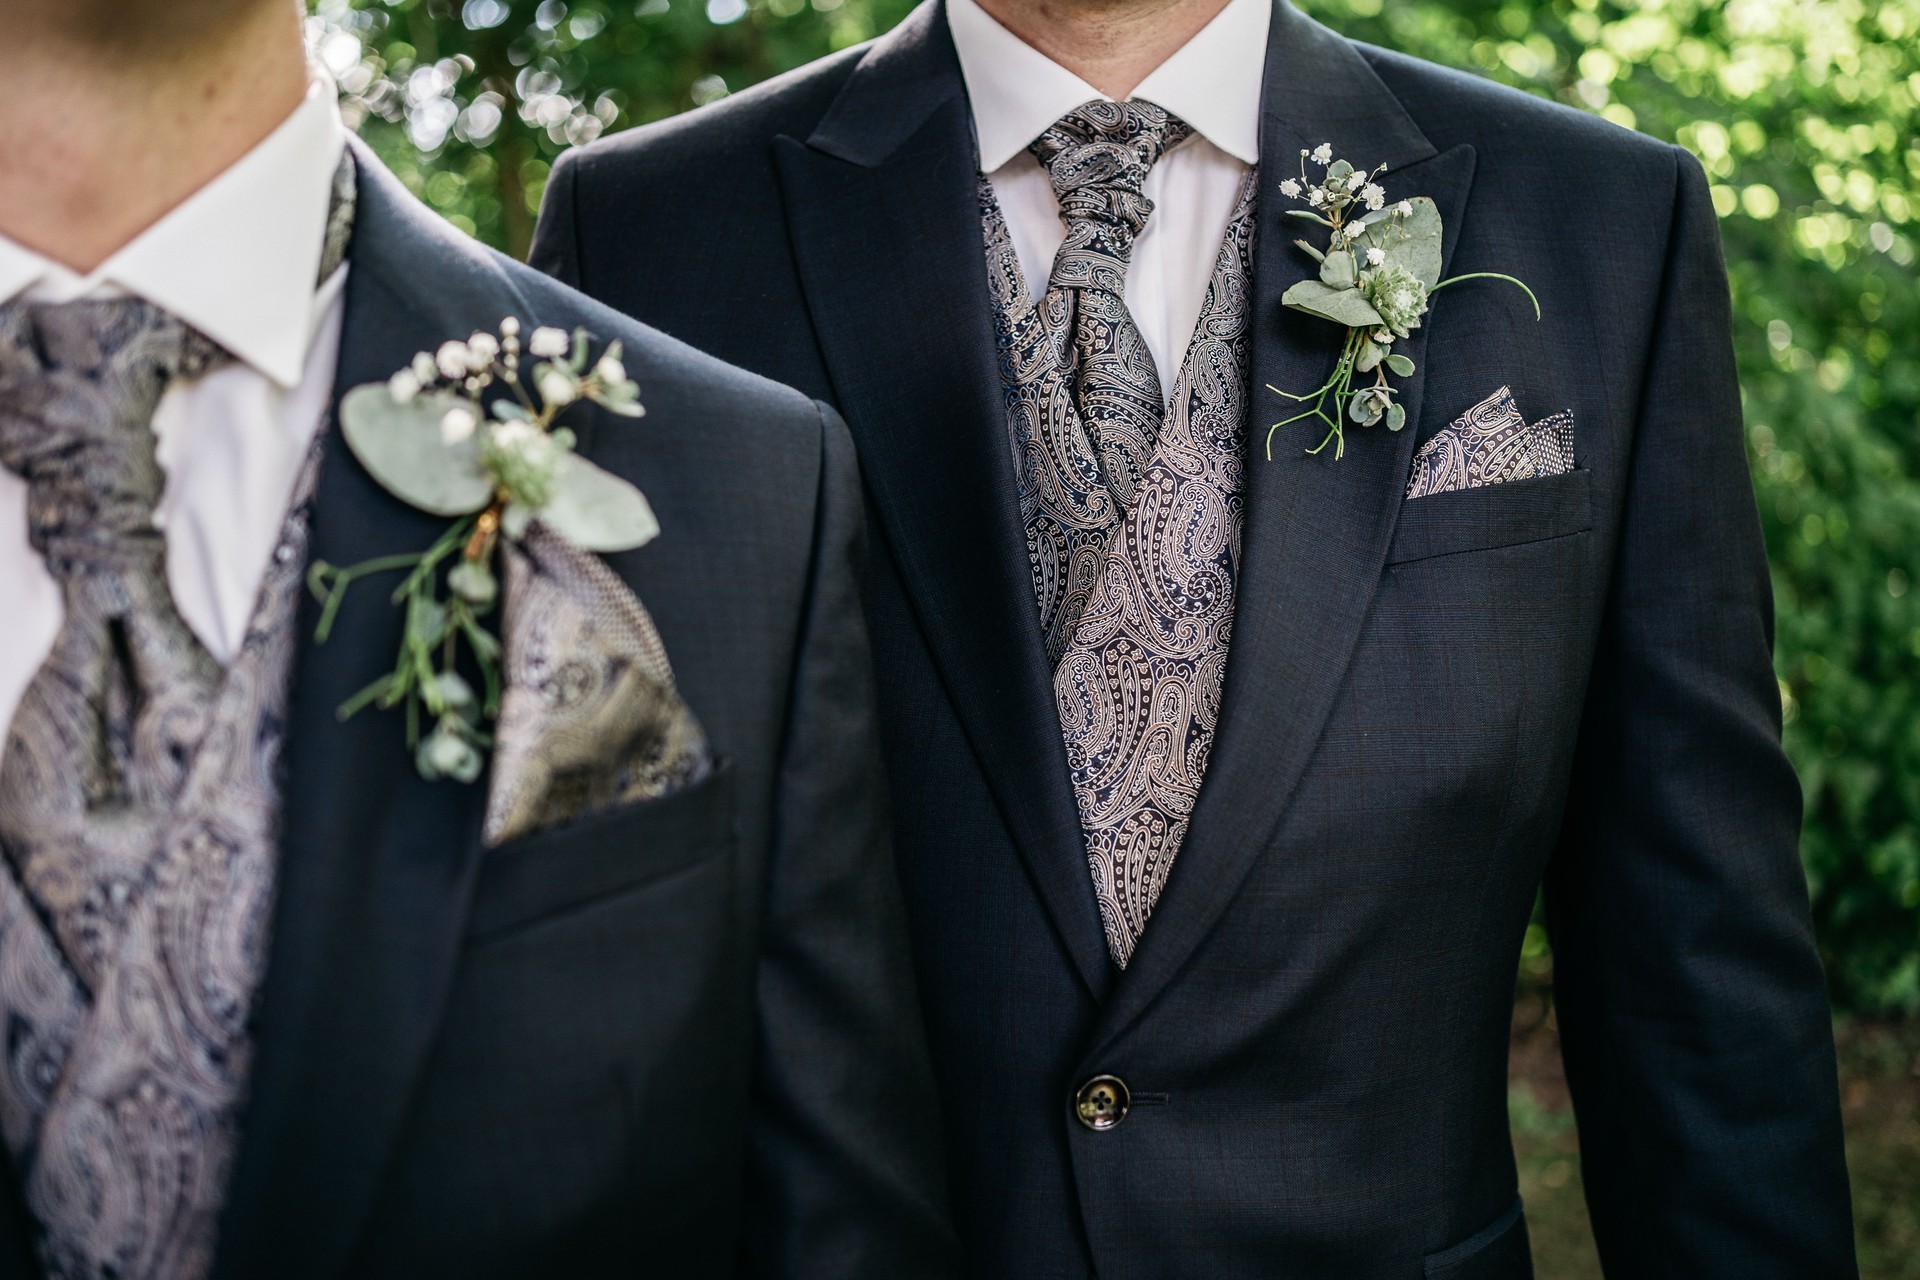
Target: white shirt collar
238,258
1212,82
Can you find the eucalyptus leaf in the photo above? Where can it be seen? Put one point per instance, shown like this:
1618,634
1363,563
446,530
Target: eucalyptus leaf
507,410
1371,353
1339,171
1396,417
1342,306
597,510
1413,241
1336,269
1312,252
401,446
1400,364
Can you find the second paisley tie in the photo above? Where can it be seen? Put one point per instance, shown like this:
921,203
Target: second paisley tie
1098,157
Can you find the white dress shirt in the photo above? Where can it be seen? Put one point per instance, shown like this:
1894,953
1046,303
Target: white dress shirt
1212,82
238,261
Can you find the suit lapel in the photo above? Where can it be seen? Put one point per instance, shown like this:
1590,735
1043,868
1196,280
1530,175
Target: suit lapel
881,203
1316,530
377,865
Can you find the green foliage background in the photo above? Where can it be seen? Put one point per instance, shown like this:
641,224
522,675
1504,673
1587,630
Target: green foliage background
1806,113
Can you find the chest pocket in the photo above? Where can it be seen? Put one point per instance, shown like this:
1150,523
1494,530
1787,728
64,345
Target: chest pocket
576,864
1496,515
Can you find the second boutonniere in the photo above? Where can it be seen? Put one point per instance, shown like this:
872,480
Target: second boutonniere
470,433
1378,274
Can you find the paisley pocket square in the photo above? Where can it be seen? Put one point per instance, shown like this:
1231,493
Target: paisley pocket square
589,715
1492,444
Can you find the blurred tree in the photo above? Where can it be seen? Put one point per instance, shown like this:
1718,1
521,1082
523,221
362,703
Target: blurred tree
1806,114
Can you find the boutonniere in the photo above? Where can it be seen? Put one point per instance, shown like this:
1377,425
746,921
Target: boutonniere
468,434
1378,274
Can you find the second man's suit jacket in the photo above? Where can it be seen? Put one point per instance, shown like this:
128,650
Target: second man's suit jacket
1430,705
675,1039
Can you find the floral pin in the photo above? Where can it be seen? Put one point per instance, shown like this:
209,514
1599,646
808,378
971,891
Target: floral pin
462,433
1378,274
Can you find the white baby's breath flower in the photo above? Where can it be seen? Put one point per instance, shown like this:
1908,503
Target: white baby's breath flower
452,359
1373,195
403,386
457,425
1290,188
510,327
1316,197
548,343
1323,154
481,349
1356,180
511,436
424,368
611,371
557,387
1375,257
1404,208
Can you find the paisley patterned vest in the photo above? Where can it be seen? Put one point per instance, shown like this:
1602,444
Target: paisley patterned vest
126,1070
1137,597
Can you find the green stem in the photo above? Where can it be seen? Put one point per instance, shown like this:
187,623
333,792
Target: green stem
1490,275
329,585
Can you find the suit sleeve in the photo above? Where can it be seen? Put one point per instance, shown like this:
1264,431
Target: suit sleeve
1693,1010
845,1157
556,241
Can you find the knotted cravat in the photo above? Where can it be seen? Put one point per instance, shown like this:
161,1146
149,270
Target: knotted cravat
1132,511
1097,157
139,809
99,746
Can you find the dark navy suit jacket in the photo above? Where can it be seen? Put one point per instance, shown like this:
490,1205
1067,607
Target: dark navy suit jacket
677,1039
1430,705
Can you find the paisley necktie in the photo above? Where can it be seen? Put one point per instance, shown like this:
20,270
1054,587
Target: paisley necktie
1098,156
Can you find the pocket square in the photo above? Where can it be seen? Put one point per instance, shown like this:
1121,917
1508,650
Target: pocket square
1492,444
589,715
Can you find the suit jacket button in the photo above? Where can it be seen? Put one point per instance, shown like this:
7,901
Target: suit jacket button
1102,1102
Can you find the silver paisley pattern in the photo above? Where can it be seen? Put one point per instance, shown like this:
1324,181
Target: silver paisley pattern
1492,444
591,717
1134,574
139,810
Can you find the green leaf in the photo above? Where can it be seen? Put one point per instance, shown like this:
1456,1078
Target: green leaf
623,399
400,446
1399,364
1312,252
1342,306
1371,354
1396,416
1336,269
597,510
1414,241
1339,171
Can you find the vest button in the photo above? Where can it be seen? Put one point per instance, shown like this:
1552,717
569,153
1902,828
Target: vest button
1102,1102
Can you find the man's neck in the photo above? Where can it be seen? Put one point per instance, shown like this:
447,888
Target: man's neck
98,144
1111,44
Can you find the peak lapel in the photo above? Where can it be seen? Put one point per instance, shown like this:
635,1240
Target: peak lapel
1316,530
883,210
376,864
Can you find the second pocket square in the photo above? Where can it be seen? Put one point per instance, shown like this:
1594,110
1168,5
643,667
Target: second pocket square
1492,444
589,717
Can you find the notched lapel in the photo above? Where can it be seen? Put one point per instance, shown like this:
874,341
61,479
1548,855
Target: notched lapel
377,865
882,206
1316,530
